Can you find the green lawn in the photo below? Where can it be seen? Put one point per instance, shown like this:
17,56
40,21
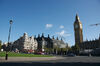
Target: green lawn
12,54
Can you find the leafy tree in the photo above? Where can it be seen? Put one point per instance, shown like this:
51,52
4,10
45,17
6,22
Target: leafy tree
46,50
4,47
75,48
64,49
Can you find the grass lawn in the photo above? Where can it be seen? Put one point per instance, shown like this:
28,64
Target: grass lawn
13,54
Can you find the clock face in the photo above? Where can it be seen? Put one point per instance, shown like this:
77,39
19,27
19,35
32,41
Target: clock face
76,26
80,25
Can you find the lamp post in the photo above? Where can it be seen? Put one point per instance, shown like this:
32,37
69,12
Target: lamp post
7,48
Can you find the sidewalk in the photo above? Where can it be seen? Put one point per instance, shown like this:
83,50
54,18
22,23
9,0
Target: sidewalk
26,59
55,59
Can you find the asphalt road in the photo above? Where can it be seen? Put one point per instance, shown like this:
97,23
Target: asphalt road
54,61
49,64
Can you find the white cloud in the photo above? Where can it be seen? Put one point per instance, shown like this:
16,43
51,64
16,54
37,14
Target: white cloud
63,33
61,27
49,25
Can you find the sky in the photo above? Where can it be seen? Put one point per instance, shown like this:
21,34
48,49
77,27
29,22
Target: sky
54,17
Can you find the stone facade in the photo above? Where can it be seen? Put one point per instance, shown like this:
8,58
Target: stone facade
78,30
25,43
93,44
59,43
47,42
37,43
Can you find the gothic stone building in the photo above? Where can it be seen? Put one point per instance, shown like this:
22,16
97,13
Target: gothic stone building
92,44
47,42
79,37
25,43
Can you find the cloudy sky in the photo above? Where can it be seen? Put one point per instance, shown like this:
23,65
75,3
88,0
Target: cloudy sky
54,17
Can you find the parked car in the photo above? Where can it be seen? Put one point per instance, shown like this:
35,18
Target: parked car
71,54
40,53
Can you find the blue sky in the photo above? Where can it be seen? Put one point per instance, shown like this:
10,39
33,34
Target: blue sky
54,17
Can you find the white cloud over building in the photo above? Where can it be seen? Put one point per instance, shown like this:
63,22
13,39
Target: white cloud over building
49,25
61,27
63,33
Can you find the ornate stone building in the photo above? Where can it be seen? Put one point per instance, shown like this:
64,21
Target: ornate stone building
37,43
59,43
93,44
78,30
25,43
47,42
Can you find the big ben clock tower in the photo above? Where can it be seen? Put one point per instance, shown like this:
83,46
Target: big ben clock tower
78,30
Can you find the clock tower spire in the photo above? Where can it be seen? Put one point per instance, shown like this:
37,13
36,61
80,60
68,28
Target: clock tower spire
77,19
78,30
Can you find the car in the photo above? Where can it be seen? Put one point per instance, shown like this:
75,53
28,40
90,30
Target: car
40,53
71,55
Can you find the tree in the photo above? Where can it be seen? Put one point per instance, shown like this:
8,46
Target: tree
4,47
0,44
75,48
46,50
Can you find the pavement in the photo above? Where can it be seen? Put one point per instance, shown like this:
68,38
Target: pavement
54,59
29,59
51,61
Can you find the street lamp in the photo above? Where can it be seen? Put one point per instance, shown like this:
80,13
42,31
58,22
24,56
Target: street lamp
7,48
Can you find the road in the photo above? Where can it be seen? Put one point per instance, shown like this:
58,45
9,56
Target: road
52,61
